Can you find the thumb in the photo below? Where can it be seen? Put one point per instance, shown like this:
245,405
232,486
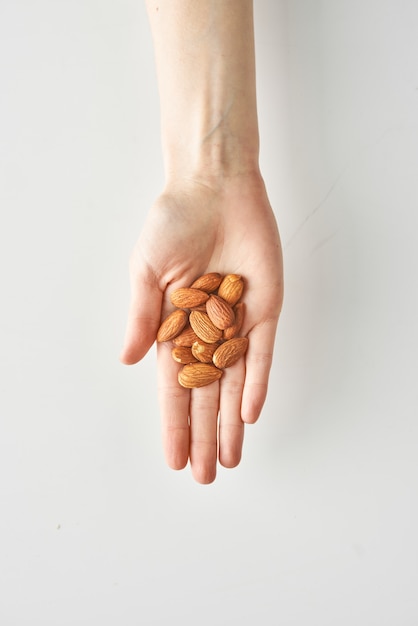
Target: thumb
143,319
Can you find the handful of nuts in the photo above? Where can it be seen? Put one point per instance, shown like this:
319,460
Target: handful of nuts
204,328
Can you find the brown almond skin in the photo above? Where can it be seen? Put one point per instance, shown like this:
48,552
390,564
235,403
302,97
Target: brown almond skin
186,338
187,298
220,312
198,375
203,351
231,288
204,328
230,352
182,354
208,282
233,331
201,308
172,325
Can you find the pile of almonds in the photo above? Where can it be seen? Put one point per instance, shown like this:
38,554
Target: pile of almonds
204,328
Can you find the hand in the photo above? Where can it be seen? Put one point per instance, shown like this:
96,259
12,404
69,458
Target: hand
193,229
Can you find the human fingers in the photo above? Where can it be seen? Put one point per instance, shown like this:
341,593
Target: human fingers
143,317
174,408
258,360
204,408
231,426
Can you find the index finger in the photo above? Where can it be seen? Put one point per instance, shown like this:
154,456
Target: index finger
174,403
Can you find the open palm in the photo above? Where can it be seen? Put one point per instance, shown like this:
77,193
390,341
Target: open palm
190,230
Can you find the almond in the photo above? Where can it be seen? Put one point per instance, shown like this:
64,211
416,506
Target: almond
198,375
186,297
186,338
203,351
233,331
220,312
208,282
182,354
201,308
229,352
231,288
204,328
172,325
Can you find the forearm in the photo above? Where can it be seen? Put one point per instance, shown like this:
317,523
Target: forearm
206,72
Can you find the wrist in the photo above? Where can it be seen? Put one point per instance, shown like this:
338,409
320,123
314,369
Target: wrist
206,73
210,149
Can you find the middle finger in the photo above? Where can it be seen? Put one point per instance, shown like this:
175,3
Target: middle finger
204,407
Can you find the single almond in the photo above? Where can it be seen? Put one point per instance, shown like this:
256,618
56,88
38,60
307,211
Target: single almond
186,338
231,288
230,352
208,282
220,312
203,351
172,325
233,331
204,328
187,298
198,375
182,354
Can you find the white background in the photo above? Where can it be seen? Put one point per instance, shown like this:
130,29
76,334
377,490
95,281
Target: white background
318,524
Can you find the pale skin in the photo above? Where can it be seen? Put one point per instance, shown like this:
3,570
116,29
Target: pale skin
212,216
